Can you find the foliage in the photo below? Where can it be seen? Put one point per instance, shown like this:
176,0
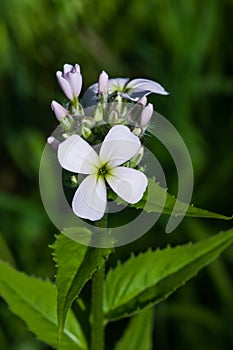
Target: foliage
138,333
185,45
152,276
34,301
76,264
140,282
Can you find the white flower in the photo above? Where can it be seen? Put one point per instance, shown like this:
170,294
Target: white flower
133,90
119,146
70,81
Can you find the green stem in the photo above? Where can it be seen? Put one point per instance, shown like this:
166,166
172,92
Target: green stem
97,329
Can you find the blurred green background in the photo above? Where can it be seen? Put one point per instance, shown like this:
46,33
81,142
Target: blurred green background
186,45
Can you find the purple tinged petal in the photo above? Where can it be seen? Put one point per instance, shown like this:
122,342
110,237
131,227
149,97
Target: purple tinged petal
70,80
65,86
59,111
67,68
75,81
138,85
146,115
77,68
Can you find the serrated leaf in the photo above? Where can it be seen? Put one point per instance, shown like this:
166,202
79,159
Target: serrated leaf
158,200
34,301
152,276
156,196
76,263
138,334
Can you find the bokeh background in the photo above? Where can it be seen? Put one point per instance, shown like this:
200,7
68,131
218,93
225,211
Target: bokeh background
186,45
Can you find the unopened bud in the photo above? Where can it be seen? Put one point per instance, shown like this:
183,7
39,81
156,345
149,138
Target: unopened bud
113,117
98,113
89,122
146,115
103,83
52,141
86,132
59,111
137,131
70,81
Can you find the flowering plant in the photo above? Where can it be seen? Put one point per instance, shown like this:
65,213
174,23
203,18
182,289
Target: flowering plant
104,138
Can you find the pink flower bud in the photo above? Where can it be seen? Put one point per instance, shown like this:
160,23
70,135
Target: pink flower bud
146,115
59,111
53,142
103,83
70,81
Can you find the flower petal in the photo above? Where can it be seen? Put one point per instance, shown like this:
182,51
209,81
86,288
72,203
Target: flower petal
90,199
65,86
145,86
67,68
128,183
119,145
117,84
75,80
59,111
89,97
76,155
77,68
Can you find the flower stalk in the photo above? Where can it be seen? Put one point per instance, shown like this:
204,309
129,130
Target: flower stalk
97,327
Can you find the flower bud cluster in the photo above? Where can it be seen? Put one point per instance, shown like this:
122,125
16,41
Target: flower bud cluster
112,101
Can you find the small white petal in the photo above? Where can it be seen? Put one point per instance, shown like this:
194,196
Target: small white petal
76,155
67,68
127,183
117,84
149,86
65,86
77,68
90,199
119,145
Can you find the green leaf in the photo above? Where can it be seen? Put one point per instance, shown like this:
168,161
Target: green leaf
156,194
158,200
152,276
76,264
138,334
34,301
